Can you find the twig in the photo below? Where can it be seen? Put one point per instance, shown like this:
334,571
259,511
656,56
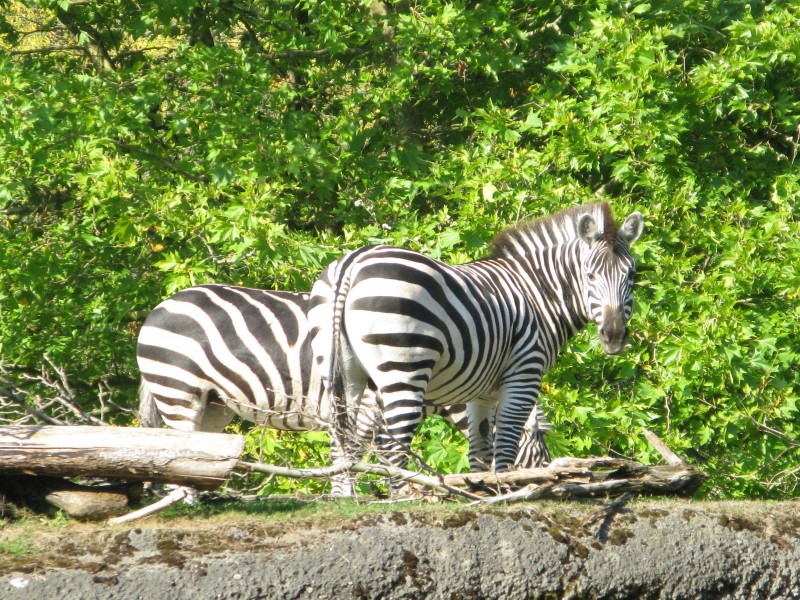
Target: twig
173,497
532,491
668,455
18,399
434,483
48,50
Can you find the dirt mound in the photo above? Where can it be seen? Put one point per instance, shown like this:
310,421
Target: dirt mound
647,550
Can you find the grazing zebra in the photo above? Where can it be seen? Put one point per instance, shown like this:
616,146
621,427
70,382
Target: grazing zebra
481,333
211,352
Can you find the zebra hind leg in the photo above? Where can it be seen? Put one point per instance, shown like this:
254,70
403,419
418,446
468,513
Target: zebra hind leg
343,485
367,424
352,403
215,416
205,412
481,435
402,418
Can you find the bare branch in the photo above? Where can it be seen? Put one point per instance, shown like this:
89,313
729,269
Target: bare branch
427,481
48,50
46,397
175,496
668,455
18,398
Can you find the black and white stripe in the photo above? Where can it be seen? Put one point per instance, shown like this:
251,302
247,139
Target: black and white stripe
481,333
214,351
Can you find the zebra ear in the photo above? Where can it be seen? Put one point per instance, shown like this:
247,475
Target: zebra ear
587,228
632,228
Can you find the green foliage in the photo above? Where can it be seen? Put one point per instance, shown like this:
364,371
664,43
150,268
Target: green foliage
288,448
252,144
441,446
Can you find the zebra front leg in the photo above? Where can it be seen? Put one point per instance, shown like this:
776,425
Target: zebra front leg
533,451
513,412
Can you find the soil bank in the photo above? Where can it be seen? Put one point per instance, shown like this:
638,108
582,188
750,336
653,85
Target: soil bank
649,549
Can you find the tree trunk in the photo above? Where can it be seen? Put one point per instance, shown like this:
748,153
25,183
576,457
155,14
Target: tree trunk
197,459
89,38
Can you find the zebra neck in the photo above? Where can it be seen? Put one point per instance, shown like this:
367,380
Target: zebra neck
557,290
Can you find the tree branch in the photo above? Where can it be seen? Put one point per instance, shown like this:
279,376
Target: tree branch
48,50
90,41
47,396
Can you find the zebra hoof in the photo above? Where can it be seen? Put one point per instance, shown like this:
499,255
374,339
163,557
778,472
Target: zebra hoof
413,492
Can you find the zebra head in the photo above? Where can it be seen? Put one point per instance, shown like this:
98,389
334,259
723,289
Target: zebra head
607,273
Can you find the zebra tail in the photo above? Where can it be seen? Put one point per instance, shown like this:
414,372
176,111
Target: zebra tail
336,377
148,411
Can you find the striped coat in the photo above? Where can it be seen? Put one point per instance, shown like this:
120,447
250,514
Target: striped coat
212,352
481,333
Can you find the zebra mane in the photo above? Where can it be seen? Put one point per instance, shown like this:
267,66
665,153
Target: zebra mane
554,229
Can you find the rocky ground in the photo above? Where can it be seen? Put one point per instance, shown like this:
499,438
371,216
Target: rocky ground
647,549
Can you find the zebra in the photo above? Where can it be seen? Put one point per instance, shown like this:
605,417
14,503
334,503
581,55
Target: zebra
481,333
211,352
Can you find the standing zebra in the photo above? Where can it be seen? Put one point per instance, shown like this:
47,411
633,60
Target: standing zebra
211,352
481,333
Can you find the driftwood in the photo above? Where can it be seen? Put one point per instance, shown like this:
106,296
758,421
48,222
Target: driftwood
200,460
563,478
206,460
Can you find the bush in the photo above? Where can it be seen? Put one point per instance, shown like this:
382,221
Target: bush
187,142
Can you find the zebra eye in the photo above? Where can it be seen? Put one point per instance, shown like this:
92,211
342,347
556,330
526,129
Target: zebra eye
591,277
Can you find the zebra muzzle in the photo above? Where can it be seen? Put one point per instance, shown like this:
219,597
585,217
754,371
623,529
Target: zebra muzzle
613,330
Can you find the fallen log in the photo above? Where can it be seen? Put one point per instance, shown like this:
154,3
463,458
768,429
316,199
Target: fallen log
570,477
592,480
197,459
204,461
